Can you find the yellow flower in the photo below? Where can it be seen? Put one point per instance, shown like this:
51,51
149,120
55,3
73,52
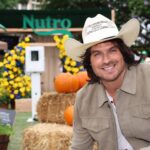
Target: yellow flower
13,63
81,67
5,83
57,39
22,59
9,58
10,72
8,66
28,89
11,82
12,76
73,63
12,51
15,56
23,94
1,64
22,52
16,91
20,84
5,73
27,77
60,56
27,39
19,71
75,70
22,90
66,36
12,96
15,69
18,79
15,85
6,55
67,62
5,61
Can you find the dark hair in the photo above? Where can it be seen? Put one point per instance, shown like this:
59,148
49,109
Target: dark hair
126,52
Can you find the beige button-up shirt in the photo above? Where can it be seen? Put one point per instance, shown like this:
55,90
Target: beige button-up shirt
94,119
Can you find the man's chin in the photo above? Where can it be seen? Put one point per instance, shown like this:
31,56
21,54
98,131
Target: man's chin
109,79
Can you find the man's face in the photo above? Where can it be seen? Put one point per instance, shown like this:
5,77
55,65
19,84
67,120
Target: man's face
107,61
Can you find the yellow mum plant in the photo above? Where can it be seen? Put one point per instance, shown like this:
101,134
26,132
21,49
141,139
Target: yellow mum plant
12,72
68,64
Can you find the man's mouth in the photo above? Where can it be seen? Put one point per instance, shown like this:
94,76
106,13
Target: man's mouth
109,68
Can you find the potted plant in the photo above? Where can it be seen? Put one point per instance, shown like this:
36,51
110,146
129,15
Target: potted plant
5,131
6,118
4,98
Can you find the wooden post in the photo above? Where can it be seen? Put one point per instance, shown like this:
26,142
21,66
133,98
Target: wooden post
113,15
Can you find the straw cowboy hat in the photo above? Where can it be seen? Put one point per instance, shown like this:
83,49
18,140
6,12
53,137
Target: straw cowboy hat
99,29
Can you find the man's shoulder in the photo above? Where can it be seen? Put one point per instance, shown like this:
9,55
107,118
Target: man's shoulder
143,72
86,92
143,67
86,88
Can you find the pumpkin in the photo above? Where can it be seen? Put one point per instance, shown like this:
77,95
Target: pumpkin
68,115
83,78
66,83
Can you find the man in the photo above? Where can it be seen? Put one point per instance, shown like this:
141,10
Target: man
113,109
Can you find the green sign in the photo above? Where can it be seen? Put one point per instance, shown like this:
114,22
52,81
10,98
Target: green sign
73,18
50,19
47,22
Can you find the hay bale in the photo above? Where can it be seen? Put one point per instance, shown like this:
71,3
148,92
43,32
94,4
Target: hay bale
47,136
51,106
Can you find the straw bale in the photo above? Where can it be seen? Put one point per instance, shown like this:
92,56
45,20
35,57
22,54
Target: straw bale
47,136
51,107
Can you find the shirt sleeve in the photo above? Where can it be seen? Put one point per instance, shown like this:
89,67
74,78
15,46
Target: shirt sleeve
81,140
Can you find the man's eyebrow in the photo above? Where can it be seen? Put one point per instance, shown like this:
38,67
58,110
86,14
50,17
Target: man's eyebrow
96,50
114,46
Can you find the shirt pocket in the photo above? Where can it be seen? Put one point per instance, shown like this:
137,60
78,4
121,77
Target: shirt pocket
140,121
141,111
95,124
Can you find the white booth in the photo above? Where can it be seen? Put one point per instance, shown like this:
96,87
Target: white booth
34,64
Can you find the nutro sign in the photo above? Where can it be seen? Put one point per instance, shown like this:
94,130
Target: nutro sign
47,22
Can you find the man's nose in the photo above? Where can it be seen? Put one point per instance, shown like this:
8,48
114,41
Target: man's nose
106,58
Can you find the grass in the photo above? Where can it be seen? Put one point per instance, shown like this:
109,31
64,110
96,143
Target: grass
19,125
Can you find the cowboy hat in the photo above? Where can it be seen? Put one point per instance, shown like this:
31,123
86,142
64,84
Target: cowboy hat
99,29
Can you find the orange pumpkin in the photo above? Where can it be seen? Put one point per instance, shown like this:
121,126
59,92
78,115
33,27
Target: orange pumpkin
68,115
83,78
66,83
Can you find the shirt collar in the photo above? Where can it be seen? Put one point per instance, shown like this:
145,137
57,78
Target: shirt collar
129,86
129,83
101,94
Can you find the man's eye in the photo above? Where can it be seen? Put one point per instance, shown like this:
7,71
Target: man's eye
113,50
96,54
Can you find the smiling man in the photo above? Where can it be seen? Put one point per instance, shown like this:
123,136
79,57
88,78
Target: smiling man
113,109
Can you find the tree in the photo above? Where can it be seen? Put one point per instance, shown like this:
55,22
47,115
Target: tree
121,8
125,9
139,8
76,4
10,4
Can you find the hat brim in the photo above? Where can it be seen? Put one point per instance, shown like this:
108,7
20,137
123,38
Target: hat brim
128,33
